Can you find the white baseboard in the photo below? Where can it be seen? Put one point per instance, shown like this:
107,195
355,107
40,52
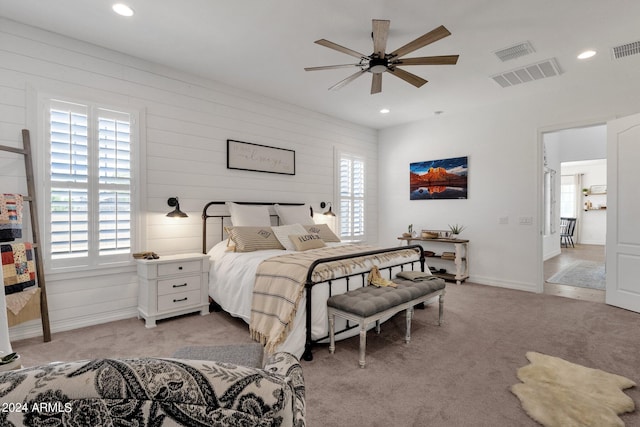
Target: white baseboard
591,242
490,281
552,254
34,328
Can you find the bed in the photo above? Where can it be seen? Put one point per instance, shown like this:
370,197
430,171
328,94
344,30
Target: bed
238,280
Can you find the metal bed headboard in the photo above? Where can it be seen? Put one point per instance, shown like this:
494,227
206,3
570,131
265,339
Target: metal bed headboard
206,216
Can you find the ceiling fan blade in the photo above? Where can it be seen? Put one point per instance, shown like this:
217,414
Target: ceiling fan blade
428,60
334,46
408,77
331,67
376,83
380,34
432,36
348,80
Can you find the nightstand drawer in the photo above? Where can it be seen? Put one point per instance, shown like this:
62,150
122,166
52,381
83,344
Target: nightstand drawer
179,268
176,301
179,284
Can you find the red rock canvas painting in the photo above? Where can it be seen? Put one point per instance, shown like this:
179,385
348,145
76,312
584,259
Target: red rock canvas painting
438,179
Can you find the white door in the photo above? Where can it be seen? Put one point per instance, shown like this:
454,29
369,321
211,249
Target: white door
623,216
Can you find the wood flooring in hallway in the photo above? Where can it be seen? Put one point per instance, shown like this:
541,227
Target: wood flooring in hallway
569,255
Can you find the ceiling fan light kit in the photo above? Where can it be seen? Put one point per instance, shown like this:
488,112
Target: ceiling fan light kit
380,62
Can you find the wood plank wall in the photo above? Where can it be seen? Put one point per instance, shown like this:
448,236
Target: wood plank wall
186,121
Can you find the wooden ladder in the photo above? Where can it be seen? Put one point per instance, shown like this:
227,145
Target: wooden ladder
35,227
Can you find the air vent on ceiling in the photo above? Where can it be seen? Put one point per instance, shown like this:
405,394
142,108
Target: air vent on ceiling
626,50
537,71
513,52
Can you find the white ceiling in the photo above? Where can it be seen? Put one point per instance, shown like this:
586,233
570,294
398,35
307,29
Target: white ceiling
263,46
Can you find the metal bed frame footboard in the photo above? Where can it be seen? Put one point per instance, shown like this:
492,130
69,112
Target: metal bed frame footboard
309,285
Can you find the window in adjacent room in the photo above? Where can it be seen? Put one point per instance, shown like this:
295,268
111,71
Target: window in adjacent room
90,213
352,197
569,196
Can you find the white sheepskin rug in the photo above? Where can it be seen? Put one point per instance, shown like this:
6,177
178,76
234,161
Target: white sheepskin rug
557,393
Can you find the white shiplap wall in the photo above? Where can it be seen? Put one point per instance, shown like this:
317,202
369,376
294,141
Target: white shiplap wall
186,121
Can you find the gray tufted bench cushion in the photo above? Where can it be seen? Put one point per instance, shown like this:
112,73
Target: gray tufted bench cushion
249,354
370,304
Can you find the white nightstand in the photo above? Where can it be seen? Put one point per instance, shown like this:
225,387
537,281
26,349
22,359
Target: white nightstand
172,285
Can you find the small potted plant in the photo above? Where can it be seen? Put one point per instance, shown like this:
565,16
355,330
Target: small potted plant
409,232
456,229
585,191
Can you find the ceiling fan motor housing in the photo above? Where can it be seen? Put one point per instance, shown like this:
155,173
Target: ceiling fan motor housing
378,65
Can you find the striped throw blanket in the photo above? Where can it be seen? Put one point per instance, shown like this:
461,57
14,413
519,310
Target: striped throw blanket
280,283
10,217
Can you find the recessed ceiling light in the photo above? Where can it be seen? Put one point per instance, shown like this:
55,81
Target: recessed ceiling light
385,111
122,9
587,54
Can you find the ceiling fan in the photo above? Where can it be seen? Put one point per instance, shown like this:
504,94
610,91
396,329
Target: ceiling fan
380,62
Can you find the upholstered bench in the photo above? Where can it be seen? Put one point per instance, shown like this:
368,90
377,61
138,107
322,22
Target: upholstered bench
370,304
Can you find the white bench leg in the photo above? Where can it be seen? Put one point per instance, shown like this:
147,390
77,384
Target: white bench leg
363,342
440,308
407,337
332,329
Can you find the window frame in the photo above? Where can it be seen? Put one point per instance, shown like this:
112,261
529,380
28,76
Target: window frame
340,213
93,260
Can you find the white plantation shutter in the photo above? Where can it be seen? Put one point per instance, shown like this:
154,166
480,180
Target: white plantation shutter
69,180
90,184
114,182
352,197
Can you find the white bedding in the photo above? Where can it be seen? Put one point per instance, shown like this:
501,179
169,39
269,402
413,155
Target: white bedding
231,281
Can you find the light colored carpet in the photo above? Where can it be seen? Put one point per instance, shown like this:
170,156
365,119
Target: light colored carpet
557,393
584,274
455,375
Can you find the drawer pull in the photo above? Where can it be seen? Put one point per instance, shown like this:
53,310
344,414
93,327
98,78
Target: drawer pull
180,286
180,300
180,268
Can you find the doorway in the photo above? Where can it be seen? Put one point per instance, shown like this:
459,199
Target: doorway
574,267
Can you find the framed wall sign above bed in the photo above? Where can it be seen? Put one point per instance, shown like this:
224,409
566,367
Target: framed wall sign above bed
260,158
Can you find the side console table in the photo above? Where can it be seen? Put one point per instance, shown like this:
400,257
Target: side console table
460,259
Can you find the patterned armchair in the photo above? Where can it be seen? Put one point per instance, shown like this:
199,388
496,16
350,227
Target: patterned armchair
154,392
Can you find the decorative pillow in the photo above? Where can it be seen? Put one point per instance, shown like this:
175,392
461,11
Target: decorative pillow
249,215
304,242
284,231
249,239
294,214
324,231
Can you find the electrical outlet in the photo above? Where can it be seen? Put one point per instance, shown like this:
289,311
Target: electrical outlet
503,220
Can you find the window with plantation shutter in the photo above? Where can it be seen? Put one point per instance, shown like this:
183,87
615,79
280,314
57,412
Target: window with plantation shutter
352,197
90,185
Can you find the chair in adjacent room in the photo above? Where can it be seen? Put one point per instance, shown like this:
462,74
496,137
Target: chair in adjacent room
567,228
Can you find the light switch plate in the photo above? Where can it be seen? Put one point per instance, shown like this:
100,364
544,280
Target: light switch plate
525,220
